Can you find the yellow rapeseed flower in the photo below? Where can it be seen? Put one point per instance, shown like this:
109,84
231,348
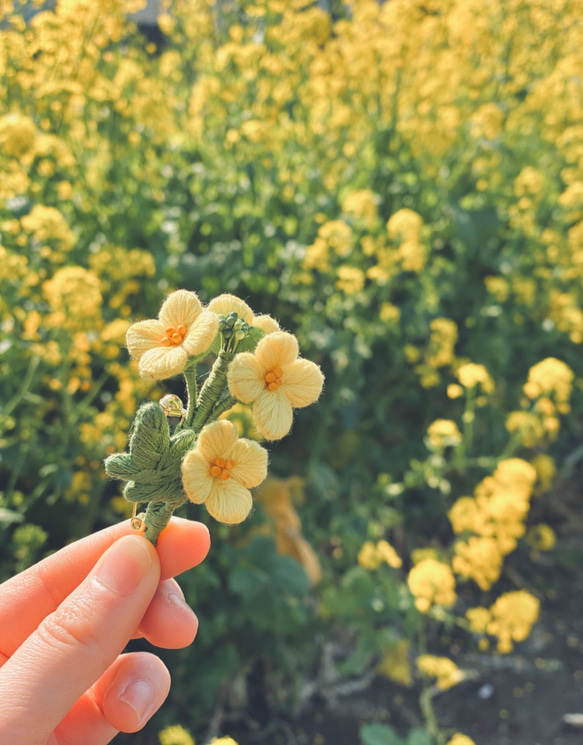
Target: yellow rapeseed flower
459,739
221,469
276,381
471,375
74,296
443,433
551,376
182,329
175,735
513,616
431,583
478,558
17,135
446,672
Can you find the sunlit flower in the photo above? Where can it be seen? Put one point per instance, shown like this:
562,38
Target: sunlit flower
182,329
276,381
220,471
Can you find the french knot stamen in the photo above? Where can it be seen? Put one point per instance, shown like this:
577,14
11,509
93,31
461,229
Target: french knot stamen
273,379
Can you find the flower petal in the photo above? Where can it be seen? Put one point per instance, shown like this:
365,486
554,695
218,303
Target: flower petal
162,363
277,350
142,336
226,304
180,307
229,502
217,439
250,467
196,478
201,334
246,378
273,414
302,383
266,323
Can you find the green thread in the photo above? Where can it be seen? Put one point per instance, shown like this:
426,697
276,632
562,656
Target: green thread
192,390
213,389
223,405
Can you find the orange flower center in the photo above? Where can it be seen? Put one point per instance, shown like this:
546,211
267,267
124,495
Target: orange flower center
273,379
173,336
221,469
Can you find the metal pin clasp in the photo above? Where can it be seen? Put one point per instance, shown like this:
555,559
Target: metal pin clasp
137,521
172,406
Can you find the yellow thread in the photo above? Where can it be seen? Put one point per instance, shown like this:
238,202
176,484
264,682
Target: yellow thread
173,336
273,379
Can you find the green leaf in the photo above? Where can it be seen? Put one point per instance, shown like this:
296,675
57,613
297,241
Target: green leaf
248,582
379,734
289,576
418,737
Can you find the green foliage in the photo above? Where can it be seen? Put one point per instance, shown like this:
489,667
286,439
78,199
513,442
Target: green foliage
403,202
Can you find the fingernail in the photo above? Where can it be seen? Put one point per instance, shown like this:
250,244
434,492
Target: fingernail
139,696
125,564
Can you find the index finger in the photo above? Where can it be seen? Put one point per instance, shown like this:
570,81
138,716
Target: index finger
27,598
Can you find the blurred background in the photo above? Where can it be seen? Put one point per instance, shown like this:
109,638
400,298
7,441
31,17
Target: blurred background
400,184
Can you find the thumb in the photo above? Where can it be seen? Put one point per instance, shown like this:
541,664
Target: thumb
72,647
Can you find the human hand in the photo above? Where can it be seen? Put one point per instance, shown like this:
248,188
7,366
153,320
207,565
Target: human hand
65,621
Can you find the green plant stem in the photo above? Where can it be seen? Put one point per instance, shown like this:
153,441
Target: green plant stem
222,406
192,391
212,390
157,517
426,705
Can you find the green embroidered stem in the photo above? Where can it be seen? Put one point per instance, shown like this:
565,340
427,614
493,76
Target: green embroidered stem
212,390
192,390
157,518
222,406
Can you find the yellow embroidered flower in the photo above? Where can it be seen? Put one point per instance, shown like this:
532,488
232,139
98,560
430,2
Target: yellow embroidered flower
275,381
182,329
220,471
225,304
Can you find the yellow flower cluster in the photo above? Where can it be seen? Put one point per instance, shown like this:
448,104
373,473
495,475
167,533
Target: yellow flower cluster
446,672
175,735
548,387
471,375
439,352
431,582
510,618
459,739
495,514
372,555
443,433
